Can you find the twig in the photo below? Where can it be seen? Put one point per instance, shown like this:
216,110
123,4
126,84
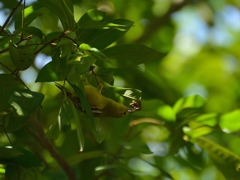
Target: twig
6,134
22,24
9,17
6,67
14,73
46,144
54,39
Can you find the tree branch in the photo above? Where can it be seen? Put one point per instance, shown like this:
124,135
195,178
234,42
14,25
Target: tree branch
46,144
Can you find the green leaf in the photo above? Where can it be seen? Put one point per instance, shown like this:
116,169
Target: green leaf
230,121
100,128
30,30
128,55
53,71
78,126
101,34
8,84
197,129
64,117
76,159
22,57
210,119
193,101
91,16
94,52
126,96
28,159
80,67
30,14
135,94
25,101
63,9
166,112
187,107
11,122
54,130
84,102
8,153
223,158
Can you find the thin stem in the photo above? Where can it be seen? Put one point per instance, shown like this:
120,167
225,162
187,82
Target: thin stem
15,74
9,17
6,134
4,50
53,40
22,24
6,67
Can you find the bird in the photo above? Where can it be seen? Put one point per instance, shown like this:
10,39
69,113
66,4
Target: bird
101,106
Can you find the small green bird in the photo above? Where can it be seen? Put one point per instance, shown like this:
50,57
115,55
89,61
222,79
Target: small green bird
101,105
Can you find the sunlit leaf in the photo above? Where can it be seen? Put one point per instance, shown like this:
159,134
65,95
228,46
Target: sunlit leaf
210,119
100,34
91,16
30,14
230,121
188,107
194,101
197,130
166,112
126,95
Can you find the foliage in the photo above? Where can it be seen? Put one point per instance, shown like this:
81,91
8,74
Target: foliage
181,91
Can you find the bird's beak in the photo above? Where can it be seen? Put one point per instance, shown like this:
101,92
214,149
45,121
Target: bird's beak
131,110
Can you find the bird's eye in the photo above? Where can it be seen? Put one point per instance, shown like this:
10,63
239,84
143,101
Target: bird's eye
124,113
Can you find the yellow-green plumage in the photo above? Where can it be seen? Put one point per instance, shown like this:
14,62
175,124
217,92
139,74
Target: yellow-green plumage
108,107
101,105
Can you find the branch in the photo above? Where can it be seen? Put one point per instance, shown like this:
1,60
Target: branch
53,40
10,15
46,144
6,133
161,21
